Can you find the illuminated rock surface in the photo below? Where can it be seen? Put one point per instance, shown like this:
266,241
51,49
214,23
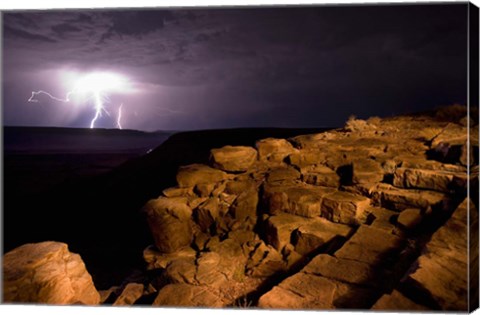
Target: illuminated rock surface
370,216
47,273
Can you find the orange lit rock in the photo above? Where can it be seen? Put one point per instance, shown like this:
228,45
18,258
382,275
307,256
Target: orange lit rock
233,158
169,220
47,273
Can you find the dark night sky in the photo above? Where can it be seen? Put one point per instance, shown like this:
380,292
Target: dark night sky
221,68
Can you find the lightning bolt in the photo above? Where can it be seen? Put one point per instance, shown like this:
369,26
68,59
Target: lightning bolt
99,100
119,117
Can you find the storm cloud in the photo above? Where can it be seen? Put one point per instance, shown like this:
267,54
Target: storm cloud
309,66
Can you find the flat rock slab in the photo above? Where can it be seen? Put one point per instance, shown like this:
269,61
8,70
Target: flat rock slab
317,233
300,291
308,291
233,158
398,199
47,273
437,180
186,295
372,246
443,270
344,270
344,207
396,301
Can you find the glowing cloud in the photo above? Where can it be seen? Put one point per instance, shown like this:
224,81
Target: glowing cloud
94,85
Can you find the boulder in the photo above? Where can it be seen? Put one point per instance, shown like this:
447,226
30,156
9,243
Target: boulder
186,295
410,218
130,294
194,174
344,207
233,158
273,150
169,220
47,273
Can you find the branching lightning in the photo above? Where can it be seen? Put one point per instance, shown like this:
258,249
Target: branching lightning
95,85
119,117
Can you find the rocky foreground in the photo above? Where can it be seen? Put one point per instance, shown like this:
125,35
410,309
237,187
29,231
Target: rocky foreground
375,215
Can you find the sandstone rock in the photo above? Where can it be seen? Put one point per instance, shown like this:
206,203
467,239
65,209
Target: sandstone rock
209,271
399,199
320,175
367,171
239,185
273,150
204,190
265,261
316,233
194,174
299,199
301,291
302,158
181,270
382,218
396,301
349,271
279,229
245,205
130,294
242,236
169,220
430,179
410,218
234,158
283,174
186,295
177,192
443,269
46,273
343,207
372,246
207,213
158,260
